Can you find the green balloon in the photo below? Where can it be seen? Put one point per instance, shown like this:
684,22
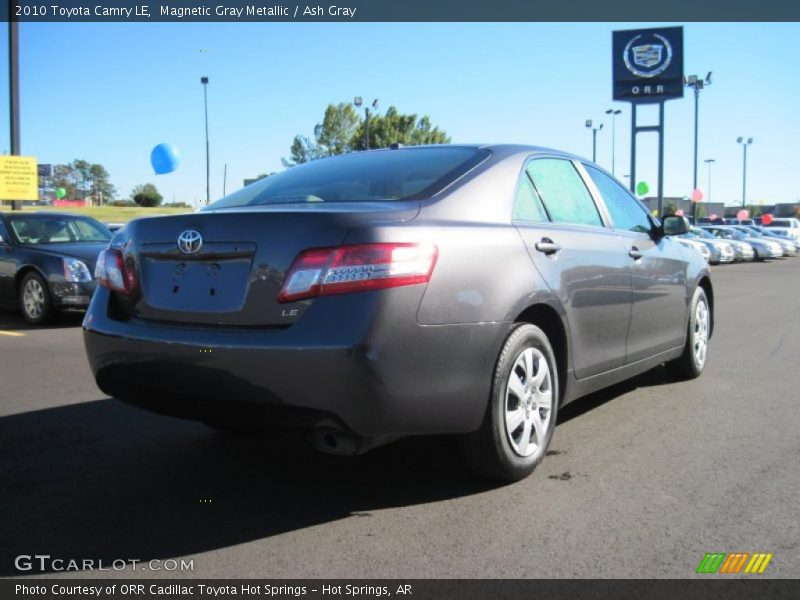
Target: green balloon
642,188
60,193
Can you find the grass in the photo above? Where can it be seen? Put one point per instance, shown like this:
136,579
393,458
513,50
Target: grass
109,214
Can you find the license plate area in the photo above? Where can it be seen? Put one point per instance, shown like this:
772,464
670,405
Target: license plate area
195,286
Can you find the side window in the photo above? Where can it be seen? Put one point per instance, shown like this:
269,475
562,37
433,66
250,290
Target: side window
527,203
3,232
563,192
625,212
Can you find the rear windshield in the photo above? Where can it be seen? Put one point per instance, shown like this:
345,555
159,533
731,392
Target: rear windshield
403,174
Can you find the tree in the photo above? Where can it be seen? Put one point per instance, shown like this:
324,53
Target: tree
700,210
342,131
397,128
333,136
63,178
146,195
102,188
80,179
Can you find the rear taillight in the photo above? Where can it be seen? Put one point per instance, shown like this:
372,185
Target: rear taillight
324,271
112,273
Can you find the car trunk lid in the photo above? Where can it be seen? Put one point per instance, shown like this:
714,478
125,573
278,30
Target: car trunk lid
236,273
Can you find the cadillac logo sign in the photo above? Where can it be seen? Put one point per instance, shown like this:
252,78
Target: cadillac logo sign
648,64
190,241
648,60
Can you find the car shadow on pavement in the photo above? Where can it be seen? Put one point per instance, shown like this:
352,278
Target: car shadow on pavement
101,480
11,320
653,377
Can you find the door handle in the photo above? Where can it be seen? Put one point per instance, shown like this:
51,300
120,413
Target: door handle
635,253
547,246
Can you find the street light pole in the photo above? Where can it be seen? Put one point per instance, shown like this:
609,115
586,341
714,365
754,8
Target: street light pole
745,144
13,90
613,114
696,83
204,81
594,138
358,101
366,128
709,162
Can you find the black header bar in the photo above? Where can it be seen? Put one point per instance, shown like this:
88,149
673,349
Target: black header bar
144,11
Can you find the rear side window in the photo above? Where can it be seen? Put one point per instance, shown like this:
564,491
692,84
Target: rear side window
527,203
563,192
403,174
625,211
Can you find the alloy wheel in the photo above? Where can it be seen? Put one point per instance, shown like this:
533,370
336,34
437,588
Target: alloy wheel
529,401
700,333
33,299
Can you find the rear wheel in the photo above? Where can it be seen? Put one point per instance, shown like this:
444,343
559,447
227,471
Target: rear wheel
34,299
521,415
692,362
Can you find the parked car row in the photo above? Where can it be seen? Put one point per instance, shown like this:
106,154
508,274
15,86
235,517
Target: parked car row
782,226
720,244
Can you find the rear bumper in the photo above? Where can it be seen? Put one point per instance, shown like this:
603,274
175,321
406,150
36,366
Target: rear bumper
355,361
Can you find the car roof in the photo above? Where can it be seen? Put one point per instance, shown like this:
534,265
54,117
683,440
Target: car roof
499,150
42,213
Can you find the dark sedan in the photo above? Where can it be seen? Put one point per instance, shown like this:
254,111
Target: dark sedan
467,290
47,262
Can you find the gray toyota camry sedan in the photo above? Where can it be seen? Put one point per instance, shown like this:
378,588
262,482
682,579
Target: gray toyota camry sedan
469,290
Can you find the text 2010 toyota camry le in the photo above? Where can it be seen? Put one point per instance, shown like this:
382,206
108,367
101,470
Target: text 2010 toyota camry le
432,290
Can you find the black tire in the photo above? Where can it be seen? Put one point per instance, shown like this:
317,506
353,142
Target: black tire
688,366
490,451
41,311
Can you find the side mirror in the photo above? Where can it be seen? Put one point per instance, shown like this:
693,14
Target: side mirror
674,225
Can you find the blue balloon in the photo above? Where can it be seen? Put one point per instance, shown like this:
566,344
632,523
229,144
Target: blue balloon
164,159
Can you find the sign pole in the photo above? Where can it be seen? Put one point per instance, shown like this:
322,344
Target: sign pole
647,68
660,158
13,89
633,147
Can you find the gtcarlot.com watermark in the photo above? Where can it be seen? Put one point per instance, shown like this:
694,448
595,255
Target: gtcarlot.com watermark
47,563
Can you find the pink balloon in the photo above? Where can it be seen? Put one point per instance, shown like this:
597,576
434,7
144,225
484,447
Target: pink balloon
678,213
697,195
713,216
742,214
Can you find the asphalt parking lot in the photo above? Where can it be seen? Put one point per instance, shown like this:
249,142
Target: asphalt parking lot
642,481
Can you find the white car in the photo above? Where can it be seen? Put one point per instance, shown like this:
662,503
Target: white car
787,224
727,254
762,247
698,246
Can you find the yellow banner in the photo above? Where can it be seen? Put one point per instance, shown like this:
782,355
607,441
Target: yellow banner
19,179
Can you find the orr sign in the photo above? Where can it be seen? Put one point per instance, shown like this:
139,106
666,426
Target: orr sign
648,64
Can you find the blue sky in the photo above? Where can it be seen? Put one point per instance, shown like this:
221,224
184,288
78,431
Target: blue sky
109,92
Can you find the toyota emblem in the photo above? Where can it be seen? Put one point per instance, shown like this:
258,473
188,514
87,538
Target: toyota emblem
190,241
